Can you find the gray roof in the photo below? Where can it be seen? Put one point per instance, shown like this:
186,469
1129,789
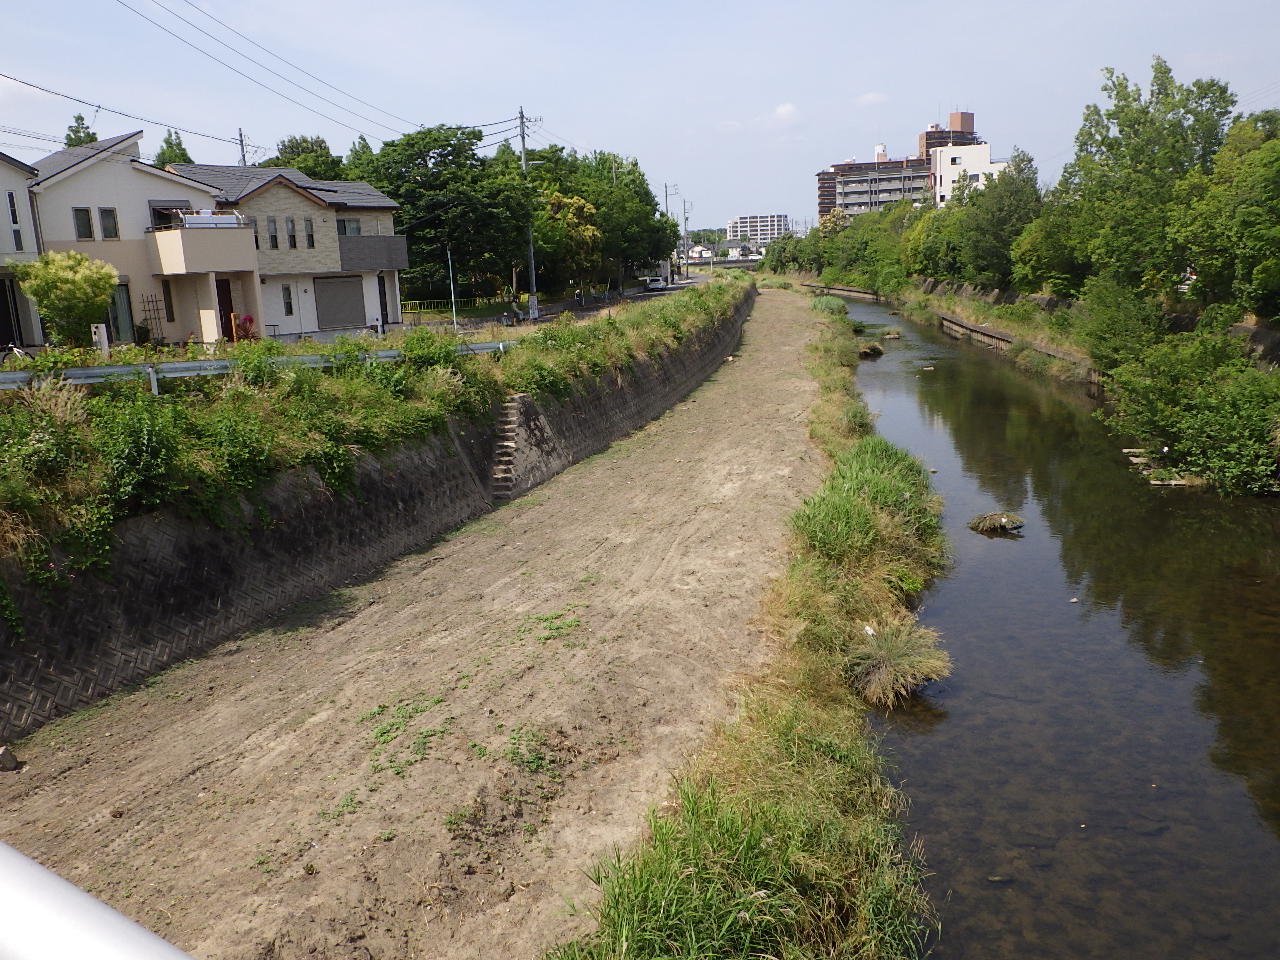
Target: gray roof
30,171
55,163
236,182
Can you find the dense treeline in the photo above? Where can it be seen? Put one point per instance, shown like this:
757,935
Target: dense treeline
1165,227
595,218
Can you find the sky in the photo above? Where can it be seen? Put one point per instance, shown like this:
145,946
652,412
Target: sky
738,105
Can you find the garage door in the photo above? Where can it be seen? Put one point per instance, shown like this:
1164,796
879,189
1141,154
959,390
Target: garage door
340,302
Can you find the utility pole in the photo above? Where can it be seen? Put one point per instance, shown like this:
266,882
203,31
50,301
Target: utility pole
533,269
667,190
243,162
686,204
453,297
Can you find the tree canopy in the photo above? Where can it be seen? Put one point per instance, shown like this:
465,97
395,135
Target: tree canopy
311,155
172,150
71,290
78,133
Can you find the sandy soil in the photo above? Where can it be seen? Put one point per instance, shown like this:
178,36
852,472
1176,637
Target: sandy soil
428,762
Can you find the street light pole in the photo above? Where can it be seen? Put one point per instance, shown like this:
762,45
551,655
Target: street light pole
667,190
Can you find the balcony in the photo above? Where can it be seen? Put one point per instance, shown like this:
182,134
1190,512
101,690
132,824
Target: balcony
373,253
204,243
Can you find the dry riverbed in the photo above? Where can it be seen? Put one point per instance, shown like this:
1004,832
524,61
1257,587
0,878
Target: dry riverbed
425,763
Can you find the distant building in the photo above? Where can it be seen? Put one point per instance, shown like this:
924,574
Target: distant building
949,165
760,229
861,187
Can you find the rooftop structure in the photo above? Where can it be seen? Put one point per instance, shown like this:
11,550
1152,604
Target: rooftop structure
759,228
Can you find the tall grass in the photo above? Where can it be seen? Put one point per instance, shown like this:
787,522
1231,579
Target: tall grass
786,841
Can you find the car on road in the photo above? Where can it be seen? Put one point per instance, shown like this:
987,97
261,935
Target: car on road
655,283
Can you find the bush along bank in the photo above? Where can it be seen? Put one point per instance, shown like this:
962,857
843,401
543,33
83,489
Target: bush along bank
786,840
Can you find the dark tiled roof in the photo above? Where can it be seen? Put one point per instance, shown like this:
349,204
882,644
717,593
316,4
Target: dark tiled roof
55,163
30,171
236,182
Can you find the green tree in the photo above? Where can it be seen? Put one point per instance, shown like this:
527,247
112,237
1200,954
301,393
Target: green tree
1229,219
568,239
993,219
358,158
172,150
311,155
450,196
1120,188
1044,255
71,290
79,133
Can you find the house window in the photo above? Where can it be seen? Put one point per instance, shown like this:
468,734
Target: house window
17,240
955,161
291,231
110,225
273,239
13,208
253,222
942,198
84,222
310,228
286,292
348,227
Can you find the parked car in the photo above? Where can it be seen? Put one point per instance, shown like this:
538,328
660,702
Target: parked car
655,283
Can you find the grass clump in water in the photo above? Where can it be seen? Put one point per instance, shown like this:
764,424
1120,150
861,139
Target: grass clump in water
994,524
833,306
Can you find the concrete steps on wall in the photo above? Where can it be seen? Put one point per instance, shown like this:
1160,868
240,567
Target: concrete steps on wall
503,478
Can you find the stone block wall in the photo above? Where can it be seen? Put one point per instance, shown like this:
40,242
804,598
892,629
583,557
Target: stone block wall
177,586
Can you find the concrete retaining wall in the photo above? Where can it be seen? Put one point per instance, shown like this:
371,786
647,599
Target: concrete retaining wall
177,586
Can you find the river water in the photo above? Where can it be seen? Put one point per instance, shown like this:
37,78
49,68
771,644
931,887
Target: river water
1098,779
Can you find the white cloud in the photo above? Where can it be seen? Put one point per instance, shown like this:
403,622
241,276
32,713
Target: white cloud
784,113
870,98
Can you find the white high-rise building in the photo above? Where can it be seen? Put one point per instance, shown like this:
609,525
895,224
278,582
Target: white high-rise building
971,162
759,229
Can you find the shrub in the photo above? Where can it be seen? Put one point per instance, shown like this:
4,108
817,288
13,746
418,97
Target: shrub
830,305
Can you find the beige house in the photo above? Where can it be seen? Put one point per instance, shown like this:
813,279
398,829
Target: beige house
328,255
19,323
186,268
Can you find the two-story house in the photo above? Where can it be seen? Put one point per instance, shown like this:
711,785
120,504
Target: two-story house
185,268
19,322
327,251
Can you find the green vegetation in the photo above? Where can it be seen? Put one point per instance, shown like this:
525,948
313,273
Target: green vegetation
786,841
1163,227
71,290
74,461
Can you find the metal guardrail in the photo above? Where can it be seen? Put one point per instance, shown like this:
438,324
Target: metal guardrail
177,369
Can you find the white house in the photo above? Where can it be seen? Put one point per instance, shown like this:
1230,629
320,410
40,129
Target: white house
971,162
19,322
185,269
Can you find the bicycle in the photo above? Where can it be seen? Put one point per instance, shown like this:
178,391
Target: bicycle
12,350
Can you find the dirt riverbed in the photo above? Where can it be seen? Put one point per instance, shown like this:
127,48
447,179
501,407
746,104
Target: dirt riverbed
427,763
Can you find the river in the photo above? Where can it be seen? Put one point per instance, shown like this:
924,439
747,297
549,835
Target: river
1099,778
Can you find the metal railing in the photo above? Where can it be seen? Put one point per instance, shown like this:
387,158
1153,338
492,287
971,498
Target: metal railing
155,372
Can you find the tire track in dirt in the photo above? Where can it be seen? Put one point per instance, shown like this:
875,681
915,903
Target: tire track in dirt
425,763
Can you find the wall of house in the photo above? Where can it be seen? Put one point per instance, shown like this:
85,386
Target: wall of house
282,202
176,586
970,161
115,182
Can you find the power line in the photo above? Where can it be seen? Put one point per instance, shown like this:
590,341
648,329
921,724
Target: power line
351,96
272,71
119,113
254,80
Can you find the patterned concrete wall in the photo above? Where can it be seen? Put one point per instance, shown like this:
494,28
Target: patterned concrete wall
177,586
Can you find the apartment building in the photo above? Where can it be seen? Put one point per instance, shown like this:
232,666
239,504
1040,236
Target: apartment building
328,255
19,322
861,187
758,228
185,269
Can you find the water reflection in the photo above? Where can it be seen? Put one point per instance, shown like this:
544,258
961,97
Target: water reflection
1078,781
